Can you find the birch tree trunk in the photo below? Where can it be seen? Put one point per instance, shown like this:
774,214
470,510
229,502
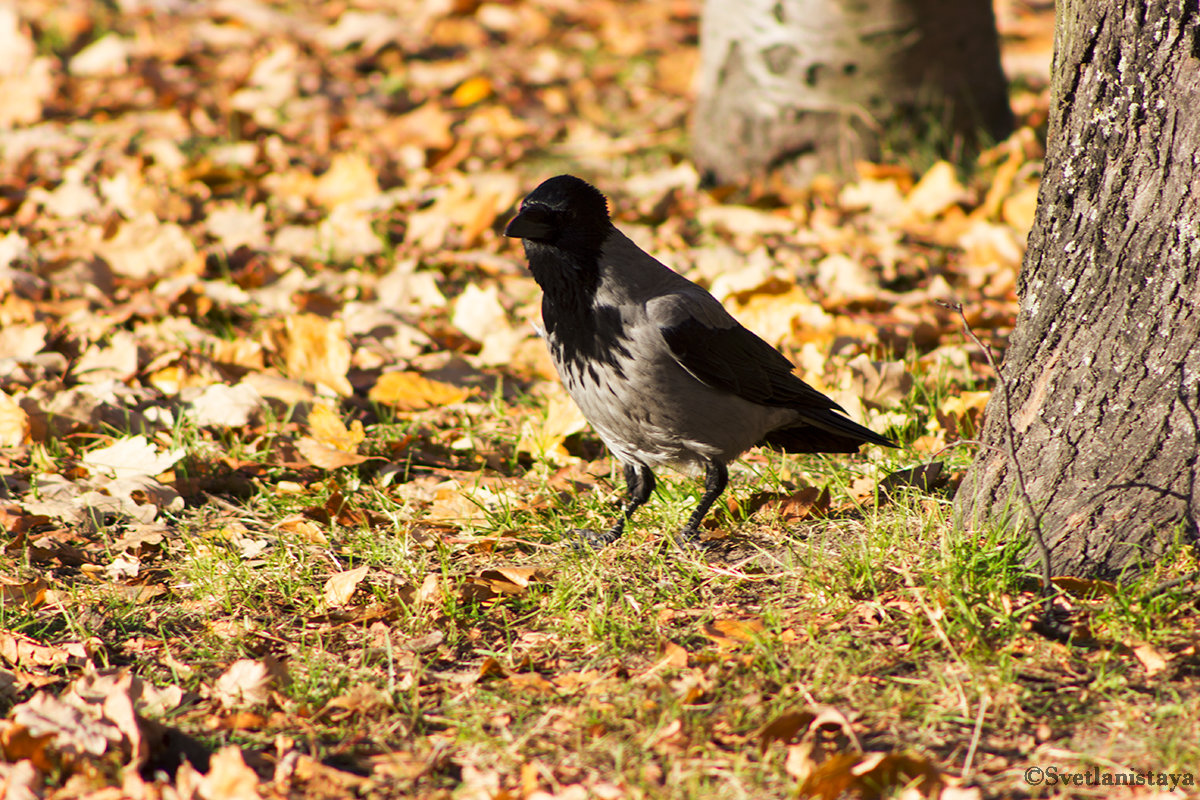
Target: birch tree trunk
811,86
1104,363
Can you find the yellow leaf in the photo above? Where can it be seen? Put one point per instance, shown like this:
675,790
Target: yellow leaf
729,632
350,177
325,457
1018,210
961,414
937,190
15,427
328,429
563,418
410,391
315,349
1152,660
471,91
341,587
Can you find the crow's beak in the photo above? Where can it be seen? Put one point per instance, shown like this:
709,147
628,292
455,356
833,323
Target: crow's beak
527,225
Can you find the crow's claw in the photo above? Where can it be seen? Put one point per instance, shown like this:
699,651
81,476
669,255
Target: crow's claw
586,538
689,539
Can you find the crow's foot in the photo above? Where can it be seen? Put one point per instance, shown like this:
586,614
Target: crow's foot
586,538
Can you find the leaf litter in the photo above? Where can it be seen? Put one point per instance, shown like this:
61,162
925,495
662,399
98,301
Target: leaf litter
285,473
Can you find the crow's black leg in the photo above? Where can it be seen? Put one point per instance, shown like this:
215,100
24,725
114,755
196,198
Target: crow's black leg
639,484
716,478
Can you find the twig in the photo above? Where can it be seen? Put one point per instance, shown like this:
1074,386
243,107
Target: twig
1050,624
1167,586
984,702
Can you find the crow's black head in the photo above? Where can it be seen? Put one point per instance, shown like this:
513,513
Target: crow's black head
564,212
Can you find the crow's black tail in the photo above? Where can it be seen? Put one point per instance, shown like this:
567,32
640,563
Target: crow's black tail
827,432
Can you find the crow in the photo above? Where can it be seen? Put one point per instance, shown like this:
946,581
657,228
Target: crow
656,364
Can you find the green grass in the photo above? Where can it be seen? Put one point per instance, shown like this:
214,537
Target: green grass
884,610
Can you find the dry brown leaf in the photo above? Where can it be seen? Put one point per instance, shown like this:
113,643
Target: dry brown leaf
670,738
229,778
23,651
672,657
531,682
15,427
303,529
410,391
117,360
479,314
430,590
226,406
544,441
18,744
880,383
342,586
872,775
1151,658
1085,587
925,477
810,723
350,178
144,247
937,190
732,632
328,429
1019,209
490,668
962,414
315,349
75,732
132,457
845,280
512,580
247,682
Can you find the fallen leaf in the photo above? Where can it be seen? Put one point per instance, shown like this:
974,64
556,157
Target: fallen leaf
226,406
342,586
1151,659
30,594
544,441
15,427
131,457
410,391
247,682
937,190
328,429
879,383
872,775
229,778
350,178
315,349
732,632
326,457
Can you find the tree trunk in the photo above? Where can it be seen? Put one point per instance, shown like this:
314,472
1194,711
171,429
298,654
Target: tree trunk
811,86
1104,364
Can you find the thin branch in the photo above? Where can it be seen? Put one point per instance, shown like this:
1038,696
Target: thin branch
1050,622
1167,586
984,702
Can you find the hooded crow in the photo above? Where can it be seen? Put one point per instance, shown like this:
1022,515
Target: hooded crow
657,365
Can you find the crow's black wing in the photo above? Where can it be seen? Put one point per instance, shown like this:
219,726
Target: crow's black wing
734,359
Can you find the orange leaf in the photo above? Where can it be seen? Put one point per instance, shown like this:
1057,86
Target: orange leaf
326,457
410,391
471,91
328,429
342,586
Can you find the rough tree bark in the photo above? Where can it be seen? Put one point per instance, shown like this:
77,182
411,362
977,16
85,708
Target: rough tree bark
1104,362
811,86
